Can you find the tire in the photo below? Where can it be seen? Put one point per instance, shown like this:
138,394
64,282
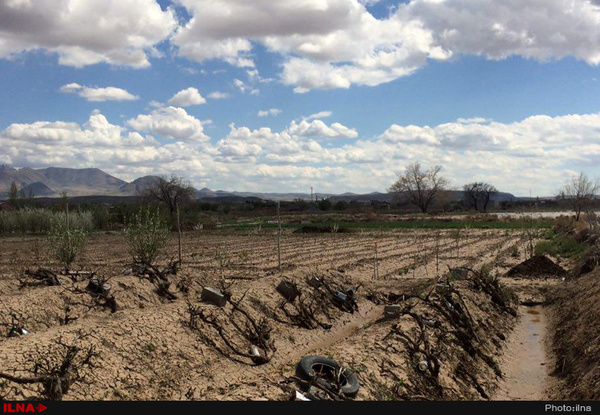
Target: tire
305,370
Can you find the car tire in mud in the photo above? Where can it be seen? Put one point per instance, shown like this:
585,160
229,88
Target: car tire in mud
310,365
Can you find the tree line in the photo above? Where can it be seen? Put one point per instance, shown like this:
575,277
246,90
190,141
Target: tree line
421,187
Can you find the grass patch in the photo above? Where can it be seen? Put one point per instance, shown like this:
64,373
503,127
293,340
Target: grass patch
560,245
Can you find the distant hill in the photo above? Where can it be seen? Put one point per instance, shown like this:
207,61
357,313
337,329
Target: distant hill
54,180
37,189
137,186
51,181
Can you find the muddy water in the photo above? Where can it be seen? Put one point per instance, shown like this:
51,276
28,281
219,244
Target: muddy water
525,363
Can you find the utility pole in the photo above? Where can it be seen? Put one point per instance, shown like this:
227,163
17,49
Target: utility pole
278,238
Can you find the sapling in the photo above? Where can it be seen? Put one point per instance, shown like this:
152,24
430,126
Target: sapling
147,236
66,243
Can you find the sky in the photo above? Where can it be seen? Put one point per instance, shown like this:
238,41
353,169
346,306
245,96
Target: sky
279,96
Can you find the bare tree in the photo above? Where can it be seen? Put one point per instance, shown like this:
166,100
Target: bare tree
420,187
579,192
173,192
477,195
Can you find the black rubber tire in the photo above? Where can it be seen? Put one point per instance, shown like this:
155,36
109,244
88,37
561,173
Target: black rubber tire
304,370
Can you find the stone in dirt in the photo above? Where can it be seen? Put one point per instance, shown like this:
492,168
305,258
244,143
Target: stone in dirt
538,266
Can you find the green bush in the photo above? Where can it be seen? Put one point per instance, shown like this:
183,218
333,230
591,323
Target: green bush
560,245
66,242
101,217
147,236
30,220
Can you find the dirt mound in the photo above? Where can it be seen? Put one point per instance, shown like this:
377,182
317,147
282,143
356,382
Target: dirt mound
321,229
536,267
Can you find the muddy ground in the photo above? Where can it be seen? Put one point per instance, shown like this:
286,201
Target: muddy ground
147,349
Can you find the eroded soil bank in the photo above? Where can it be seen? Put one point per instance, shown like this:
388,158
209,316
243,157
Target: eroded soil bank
575,338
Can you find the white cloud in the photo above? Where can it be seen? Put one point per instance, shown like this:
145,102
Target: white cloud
187,97
219,95
318,128
169,122
98,94
98,143
318,115
244,87
537,153
272,111
339,43
120,32
539,29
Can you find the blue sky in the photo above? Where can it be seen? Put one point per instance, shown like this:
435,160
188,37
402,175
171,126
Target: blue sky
490,91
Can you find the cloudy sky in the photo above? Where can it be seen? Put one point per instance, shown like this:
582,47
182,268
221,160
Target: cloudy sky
264,95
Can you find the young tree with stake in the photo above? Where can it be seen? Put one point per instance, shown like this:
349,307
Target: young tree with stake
173,192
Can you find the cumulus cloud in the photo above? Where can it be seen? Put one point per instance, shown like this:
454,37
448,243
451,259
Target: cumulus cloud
120,32
539,29
272,111
318,128
94,94
169,122
339,43
323,43
187,97
536,153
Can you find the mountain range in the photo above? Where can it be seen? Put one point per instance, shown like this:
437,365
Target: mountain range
52,181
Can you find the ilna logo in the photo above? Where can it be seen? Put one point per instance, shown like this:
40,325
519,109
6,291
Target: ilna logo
23,407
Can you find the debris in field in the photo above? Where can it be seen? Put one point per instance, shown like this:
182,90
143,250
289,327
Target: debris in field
442,288
299,397
288,290
254,351
214,296
315,282
423,365
316,394
99,289
17,331
40,277
78,275
96,286
538,266
392,311
460,273
433,323
323,378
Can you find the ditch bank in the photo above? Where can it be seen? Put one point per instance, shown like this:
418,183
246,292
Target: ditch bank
575,338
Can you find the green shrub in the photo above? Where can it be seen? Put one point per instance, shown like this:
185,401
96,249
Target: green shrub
560,245
101,217
38,220
66,242
147,236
